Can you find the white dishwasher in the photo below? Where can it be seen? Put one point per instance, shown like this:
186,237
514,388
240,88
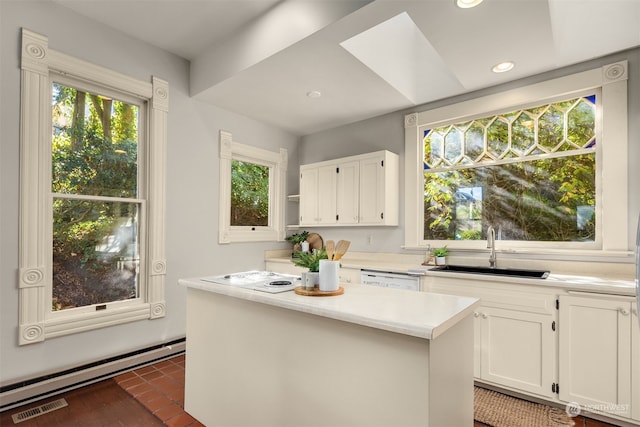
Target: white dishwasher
388,279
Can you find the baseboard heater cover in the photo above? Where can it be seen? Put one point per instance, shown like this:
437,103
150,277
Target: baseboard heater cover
28,391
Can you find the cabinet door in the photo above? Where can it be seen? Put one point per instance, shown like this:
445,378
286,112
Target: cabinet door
326,195
308,196
318,195
595,353
372,191
347,192
517,349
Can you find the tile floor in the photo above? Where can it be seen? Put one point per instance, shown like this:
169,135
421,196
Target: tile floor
160,389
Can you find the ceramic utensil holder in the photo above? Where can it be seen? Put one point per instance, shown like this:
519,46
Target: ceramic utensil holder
329,275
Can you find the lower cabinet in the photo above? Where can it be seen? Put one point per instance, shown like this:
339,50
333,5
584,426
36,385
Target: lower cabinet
562,346
517,349
597,339
515,335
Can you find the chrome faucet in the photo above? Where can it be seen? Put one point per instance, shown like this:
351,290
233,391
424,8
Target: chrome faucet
491,244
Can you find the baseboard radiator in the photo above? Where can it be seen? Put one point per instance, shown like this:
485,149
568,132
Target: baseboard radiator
28,391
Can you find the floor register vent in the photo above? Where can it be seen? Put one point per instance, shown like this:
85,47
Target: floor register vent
38,410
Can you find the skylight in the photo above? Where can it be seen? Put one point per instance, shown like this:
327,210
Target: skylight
399,53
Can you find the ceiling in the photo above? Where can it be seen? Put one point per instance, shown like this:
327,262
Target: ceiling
261,58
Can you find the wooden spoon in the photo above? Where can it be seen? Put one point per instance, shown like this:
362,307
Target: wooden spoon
330,247
341,249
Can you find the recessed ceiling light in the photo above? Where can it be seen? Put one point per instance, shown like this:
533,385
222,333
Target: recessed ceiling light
467,4
503,66
314,94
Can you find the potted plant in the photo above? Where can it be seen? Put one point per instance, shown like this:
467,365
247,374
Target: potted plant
310,261
440,254
297,239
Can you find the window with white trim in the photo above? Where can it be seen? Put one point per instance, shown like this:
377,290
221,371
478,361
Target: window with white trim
252,188
92,195
544,165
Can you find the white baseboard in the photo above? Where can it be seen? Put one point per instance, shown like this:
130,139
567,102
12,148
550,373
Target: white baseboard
57,384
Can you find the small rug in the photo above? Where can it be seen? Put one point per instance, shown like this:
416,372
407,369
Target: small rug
498,410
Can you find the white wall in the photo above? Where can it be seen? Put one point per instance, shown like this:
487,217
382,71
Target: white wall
192,185
387,132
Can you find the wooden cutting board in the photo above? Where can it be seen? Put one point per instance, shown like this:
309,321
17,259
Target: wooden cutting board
315,241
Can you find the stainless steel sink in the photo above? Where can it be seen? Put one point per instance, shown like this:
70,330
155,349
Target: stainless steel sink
512,272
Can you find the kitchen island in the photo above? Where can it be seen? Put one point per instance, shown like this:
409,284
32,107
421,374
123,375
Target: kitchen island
369,357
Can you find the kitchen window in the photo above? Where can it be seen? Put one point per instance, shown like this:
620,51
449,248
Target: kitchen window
92,195
542,165
528,173
252,188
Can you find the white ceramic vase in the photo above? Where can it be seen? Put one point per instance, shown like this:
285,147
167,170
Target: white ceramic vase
310,279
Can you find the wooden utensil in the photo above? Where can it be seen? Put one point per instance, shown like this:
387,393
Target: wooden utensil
330,247
341,249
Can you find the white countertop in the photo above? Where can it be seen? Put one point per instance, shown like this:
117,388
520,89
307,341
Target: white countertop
605,283
566,282
419,314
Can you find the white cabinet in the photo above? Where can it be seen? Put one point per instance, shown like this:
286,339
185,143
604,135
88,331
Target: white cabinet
514,334
356,190
373,195
517,349
595,352
587,351
347,192
321,209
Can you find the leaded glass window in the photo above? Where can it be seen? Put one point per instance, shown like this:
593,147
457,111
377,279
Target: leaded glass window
529,173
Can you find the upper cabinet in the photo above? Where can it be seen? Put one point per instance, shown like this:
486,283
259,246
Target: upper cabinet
356,190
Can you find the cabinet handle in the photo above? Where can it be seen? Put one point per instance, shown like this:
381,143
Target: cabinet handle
623,311
476,314
485,315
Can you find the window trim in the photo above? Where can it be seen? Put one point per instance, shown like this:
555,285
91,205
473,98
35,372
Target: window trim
277,162
611,176
35,269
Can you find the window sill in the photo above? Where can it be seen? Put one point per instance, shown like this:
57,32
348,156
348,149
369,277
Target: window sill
553,254
80,322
